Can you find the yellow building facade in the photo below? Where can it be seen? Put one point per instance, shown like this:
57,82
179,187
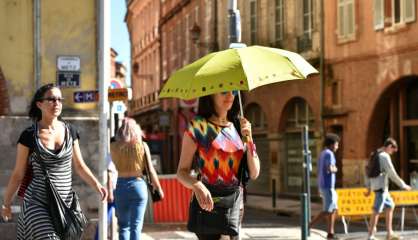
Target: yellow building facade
67,28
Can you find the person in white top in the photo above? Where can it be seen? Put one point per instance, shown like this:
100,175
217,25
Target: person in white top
380,185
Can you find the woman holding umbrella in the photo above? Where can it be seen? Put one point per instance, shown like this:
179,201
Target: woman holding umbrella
214,137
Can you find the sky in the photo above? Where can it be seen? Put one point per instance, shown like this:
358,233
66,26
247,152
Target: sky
119,39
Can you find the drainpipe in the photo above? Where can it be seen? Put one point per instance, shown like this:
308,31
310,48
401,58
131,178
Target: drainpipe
37,43
103,60
322,68
234,34
215,26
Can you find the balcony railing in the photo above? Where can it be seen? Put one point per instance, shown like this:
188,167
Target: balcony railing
142,103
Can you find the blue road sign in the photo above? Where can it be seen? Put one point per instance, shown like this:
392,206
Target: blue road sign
86,96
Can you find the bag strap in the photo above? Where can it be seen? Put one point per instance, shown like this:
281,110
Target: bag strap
146,166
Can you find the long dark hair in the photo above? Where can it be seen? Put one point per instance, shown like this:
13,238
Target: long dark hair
207,108
34,112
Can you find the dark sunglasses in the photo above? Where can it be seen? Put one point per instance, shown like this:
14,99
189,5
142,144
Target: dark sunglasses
234,93
52,99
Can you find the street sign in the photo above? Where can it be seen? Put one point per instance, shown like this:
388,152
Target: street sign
68,79
119,107
68,63
117,94
86,96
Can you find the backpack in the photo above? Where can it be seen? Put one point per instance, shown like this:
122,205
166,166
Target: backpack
373,166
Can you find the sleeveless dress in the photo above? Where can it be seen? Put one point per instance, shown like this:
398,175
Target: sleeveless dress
34,221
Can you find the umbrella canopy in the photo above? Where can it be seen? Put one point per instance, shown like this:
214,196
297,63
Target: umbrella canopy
236,69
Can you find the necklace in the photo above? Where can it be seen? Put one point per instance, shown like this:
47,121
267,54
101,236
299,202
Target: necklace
220,121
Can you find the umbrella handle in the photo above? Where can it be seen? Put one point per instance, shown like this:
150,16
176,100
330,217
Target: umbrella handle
245,139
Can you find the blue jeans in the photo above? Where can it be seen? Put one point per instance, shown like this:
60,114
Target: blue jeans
131,196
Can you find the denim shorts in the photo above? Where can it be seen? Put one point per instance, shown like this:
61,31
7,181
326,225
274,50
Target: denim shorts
329,200
382,199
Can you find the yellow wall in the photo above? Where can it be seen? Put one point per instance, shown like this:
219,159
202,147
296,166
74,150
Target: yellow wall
67,28
16,51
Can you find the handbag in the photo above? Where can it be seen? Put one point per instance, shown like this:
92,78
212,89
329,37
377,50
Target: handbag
223,219
155,194
68,222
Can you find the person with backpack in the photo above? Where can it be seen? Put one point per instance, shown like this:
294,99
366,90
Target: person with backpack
379,170
326,183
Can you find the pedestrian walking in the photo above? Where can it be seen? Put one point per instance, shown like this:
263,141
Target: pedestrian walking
380,169
54,144
131,156
327,170
112,176
214,139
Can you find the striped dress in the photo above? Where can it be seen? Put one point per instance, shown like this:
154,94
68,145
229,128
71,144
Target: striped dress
34,221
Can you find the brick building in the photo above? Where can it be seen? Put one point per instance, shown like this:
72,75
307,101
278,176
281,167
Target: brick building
190,29
367,93
371,81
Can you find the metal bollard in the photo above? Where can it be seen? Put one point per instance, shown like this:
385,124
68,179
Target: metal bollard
304,216
273,195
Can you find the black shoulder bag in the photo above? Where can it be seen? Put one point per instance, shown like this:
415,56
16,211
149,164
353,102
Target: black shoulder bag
224,217
69,222
155,194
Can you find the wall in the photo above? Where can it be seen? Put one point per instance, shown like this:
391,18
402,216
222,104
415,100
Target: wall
67,28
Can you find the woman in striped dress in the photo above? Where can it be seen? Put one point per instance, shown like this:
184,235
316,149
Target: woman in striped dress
55,143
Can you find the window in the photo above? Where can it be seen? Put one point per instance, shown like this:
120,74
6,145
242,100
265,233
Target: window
256,116
304,41
253,21
307,18
335,93
403,11
346,19
278,22
379,14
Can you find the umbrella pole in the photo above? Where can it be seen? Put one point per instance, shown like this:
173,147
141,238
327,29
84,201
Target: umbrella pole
240,105
245,139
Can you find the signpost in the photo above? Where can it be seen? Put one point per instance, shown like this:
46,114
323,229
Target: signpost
68,63
67,79
86,96
118,94
68,71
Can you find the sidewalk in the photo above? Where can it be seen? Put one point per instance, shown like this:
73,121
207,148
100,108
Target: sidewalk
261,233
292,207
289,207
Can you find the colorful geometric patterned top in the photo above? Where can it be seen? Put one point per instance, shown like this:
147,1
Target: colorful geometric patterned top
219,151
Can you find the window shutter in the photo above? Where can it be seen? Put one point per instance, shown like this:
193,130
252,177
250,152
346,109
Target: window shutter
409,10
340,14
350,18
379,14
